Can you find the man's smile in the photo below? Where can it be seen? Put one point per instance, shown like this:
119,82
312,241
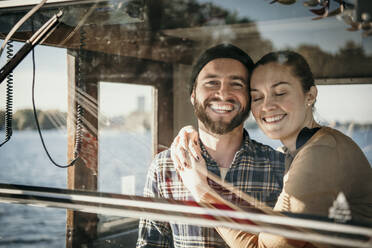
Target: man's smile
222,108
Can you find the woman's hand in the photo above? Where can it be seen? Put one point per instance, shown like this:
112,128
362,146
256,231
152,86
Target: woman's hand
187,141
187,159
194,177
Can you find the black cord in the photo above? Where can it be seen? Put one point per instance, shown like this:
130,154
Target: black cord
79,84
37,122
9,97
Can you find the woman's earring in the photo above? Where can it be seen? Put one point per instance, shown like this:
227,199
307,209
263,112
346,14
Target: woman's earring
309,104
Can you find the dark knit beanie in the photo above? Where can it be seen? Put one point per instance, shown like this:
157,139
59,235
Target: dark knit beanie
220,51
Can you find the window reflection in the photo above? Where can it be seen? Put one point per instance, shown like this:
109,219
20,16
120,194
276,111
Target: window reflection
125,149
154,43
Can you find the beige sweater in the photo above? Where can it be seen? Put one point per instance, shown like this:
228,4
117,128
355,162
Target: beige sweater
327,164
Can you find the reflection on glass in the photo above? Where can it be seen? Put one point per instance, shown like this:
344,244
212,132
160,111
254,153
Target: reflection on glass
154,43
125,137
23,159
125,145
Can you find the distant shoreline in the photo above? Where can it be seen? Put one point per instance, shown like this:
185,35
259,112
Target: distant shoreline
55,119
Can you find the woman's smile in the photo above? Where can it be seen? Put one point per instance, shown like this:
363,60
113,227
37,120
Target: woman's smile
273,119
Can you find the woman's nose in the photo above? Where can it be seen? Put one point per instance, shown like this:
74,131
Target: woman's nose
268,103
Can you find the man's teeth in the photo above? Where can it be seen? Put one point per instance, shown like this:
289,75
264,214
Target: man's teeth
222,108
274,118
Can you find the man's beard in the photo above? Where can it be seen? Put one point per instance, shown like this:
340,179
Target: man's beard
219,127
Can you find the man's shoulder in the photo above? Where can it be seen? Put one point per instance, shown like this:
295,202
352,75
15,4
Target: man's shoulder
162,160
264,155
166,154
263,149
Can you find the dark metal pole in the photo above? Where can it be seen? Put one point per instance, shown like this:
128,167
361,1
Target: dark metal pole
38,37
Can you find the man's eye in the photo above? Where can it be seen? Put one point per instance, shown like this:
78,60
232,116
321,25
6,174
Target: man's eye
237,85
211,83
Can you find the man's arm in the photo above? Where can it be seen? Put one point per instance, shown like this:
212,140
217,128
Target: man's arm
153,233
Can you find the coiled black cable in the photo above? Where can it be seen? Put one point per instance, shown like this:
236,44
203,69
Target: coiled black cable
9,97
79,85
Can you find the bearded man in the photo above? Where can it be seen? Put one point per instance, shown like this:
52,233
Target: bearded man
220,96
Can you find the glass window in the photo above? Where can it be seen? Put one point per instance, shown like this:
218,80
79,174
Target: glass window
126,65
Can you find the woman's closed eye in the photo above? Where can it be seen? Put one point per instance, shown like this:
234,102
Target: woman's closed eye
280,93
256,98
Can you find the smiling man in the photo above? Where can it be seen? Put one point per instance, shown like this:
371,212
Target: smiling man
220,96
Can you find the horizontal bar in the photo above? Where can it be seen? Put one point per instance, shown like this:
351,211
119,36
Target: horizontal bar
180,211
26,3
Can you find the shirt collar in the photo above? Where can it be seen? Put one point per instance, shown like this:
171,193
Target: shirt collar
304,135
245,147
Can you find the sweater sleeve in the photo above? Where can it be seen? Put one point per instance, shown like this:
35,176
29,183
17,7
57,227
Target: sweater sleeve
312,183
235,238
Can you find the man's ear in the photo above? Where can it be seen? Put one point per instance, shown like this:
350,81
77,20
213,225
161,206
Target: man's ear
192,97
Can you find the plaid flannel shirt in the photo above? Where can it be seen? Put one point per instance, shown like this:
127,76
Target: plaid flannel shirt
257,170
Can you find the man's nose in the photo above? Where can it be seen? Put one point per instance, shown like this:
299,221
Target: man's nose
224,91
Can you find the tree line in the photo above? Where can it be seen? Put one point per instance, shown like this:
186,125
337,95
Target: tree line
24,119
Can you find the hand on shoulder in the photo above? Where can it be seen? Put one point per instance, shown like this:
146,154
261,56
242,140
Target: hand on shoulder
187,141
